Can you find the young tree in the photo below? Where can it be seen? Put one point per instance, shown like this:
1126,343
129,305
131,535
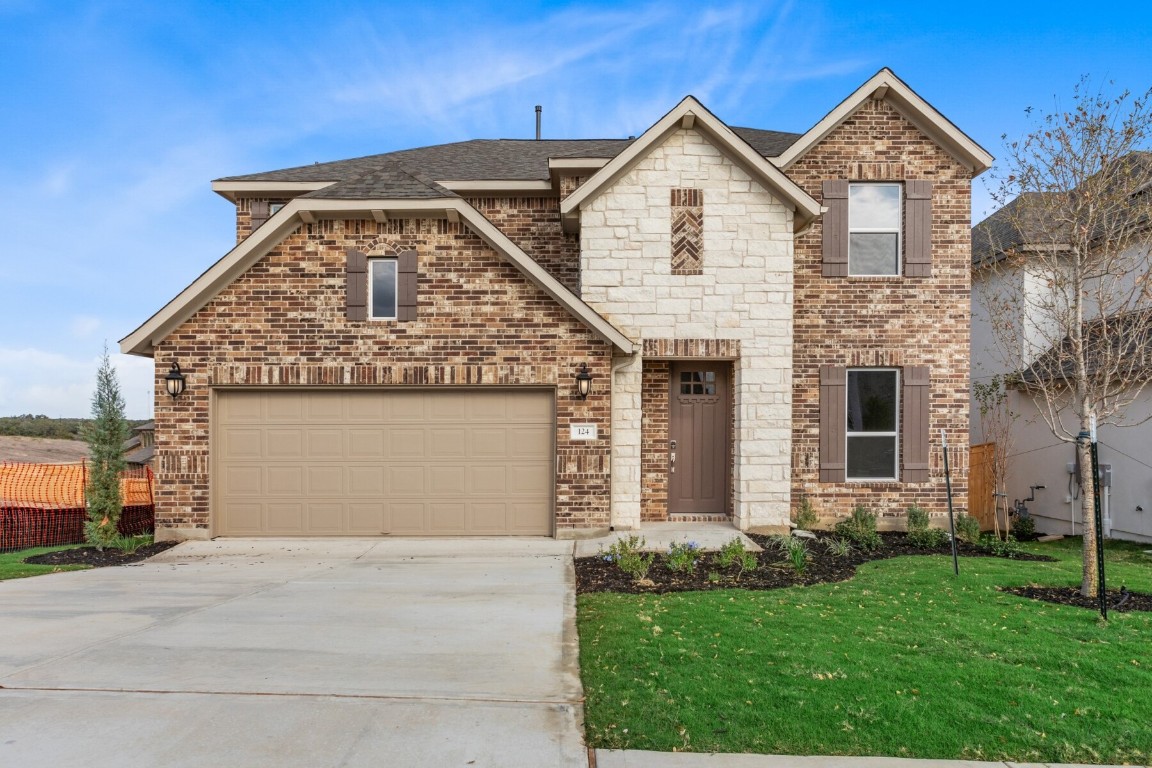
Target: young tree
998,423
105,436
1072,309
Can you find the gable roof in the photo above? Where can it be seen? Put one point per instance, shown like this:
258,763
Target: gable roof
285,221
886,86
691,114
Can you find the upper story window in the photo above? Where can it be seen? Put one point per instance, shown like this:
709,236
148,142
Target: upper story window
274,208
874,226
872,410
382,282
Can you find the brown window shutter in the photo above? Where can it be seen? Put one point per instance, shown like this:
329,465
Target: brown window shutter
918,228
356,286
916,412
833,423
406,287
259,209
835,228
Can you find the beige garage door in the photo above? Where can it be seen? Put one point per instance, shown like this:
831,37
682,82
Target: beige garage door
407,462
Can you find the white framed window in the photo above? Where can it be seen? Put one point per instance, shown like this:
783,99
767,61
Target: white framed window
382,274
274,208
873,424
875,222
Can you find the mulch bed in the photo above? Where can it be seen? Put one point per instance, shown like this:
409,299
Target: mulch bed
1117,600
593,574
99,559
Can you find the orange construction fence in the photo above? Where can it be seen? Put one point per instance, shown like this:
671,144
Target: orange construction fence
61,486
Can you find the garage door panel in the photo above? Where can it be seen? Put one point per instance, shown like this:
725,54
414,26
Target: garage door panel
366,518
370,462
284,517
406,481
407,444
366,444
407,517
325,444
242,443
326,517
325,481
284,407
284,480
489,479
367,481
284,443
243,481
447,443
447,517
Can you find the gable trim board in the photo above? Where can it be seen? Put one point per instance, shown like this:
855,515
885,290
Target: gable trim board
691,112
885,86
288,219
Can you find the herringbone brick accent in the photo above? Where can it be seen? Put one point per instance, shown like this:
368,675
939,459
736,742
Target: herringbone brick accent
687,232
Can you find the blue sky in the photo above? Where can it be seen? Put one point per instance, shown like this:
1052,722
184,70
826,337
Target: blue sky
117,116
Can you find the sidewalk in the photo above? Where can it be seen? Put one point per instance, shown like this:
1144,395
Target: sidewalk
617,758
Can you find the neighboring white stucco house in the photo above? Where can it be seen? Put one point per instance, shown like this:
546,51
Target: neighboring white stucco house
1037,456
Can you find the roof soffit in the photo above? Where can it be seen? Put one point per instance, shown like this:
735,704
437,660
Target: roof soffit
886,86
690,114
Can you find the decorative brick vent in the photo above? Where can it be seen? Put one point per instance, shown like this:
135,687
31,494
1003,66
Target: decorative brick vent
687,232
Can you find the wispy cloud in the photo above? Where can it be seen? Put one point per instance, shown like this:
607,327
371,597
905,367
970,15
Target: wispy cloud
39,381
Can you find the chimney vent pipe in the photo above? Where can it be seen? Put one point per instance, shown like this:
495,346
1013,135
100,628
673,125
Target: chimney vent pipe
538,110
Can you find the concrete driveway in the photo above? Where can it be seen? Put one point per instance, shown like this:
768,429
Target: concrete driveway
399,652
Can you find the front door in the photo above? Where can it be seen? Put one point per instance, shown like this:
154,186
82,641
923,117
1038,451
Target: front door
698,458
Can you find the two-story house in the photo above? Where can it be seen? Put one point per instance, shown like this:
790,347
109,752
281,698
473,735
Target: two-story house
557,337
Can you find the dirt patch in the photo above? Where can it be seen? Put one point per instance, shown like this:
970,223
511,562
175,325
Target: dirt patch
99,558
42,450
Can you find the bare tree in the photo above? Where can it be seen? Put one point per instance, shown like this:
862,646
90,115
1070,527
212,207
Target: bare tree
1069,301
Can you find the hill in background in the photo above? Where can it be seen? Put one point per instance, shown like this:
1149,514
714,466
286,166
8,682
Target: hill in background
43,426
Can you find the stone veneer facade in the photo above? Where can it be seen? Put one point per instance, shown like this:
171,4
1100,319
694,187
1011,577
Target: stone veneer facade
742,293
283,323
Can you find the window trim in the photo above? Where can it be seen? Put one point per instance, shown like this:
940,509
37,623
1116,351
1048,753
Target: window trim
896,434
899,229
371,273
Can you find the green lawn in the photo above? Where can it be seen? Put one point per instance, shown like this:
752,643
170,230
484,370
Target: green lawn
904,660
12,565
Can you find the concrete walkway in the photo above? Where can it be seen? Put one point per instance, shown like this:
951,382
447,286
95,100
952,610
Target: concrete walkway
297,653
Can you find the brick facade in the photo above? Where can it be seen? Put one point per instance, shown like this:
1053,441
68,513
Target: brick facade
885,321
282,323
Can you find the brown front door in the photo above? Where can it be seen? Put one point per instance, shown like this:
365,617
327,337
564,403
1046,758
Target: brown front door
698,439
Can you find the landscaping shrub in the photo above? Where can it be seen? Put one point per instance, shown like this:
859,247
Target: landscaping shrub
838,547
628,555
1024,527
968,529
806,517
1006,547
796,550
683,556
860,529
921,534
733,554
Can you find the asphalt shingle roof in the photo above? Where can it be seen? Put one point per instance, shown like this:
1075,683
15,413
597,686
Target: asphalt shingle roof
411,173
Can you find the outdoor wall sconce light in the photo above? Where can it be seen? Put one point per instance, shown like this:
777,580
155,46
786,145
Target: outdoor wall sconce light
174,381
583,382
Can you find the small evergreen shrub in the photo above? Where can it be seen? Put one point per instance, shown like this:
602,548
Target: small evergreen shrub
860,529
968,529
921,534
683,556
628,555
806,517
1024,527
